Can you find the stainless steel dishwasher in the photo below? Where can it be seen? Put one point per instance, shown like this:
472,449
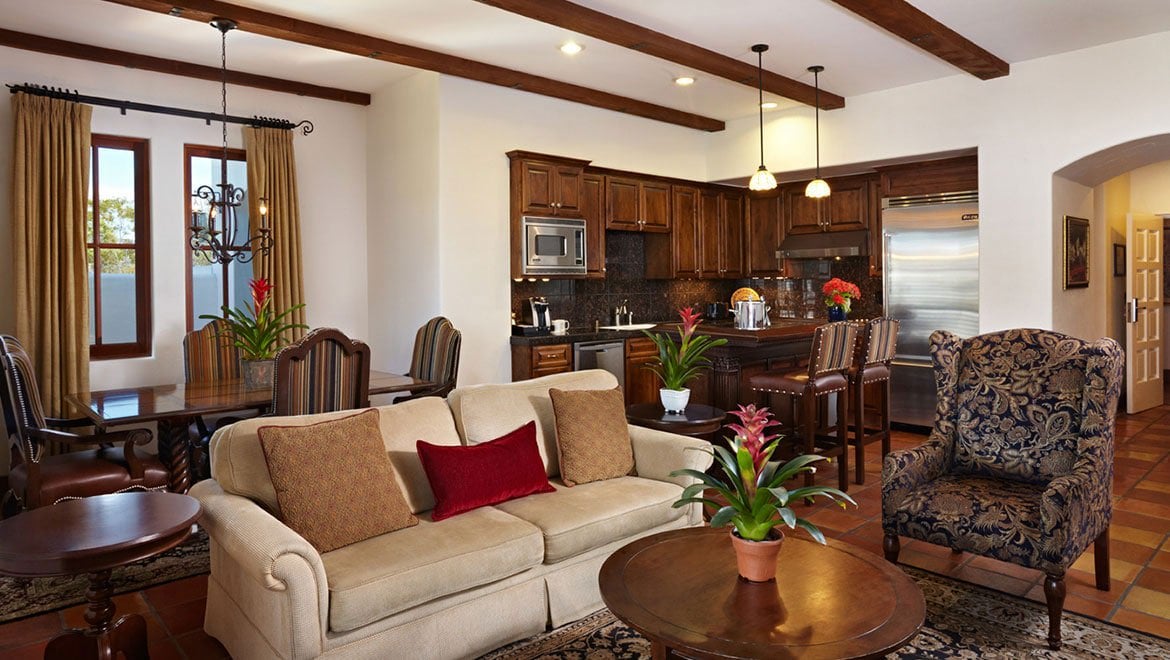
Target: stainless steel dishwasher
608,355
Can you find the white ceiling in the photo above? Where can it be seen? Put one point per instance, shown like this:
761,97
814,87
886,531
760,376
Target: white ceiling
859,57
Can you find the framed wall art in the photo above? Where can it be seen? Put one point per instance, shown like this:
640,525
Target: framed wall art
1076,252
1118,260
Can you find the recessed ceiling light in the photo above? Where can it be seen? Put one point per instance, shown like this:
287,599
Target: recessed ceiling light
684,81
768,105
571,48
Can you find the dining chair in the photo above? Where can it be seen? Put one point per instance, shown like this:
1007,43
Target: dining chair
38,476
833,348
323,372
876,344
436,358
209,356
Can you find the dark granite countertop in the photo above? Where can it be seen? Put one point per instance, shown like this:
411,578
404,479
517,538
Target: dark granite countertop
781,329
575,335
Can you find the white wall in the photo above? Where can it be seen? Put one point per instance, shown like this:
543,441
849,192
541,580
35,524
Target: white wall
1069,305
468,275
403,248
1111,203
331,179
1049,112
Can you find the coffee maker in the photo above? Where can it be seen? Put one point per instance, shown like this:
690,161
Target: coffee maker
541,317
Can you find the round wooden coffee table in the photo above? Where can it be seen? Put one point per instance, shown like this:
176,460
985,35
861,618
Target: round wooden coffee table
94,535
698,420
680,589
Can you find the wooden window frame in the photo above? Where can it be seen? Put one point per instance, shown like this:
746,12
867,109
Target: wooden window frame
200,151
142,347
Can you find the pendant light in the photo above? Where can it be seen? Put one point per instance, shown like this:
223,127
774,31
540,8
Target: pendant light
214,222
817,188
762,179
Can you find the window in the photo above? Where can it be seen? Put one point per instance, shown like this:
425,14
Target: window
118,248
211,285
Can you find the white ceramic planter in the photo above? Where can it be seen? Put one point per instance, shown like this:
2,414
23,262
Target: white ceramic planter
674,400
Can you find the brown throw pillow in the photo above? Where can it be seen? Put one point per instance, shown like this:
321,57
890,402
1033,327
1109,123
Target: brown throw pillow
593,441
334,481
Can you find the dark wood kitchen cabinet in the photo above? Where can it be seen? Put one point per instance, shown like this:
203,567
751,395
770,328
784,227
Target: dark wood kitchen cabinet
634,204
593,210
534,361
641,383
721,234
547,185
848,208
676,254
765,230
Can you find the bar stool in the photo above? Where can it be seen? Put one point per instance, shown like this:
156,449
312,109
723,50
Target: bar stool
833,348
876,344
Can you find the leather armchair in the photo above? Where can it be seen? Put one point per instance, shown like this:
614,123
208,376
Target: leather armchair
1019,464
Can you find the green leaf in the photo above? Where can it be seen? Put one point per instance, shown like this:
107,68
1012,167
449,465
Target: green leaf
788,516
722,516
812,530
693,489
781,494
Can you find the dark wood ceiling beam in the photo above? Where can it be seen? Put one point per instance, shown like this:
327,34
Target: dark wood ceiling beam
616,31
50,46
323,36
917,27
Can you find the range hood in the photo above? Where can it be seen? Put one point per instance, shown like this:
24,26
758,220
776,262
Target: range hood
826,244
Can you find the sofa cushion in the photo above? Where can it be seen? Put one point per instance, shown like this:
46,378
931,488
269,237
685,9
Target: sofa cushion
341,462
466,478
576,520
387,574
237,461
593,439
484,412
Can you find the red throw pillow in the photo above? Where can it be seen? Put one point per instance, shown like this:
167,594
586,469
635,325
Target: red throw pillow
466,478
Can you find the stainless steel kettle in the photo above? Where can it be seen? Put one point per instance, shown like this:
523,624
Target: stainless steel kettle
751,315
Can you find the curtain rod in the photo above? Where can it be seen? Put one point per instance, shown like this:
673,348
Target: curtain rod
306,126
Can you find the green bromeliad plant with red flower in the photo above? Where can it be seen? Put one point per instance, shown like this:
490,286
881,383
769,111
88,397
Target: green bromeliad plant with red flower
839,293
751,486
679,363
257,328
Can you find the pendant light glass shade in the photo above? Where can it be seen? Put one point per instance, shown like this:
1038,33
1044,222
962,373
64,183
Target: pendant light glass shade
818,188
762,179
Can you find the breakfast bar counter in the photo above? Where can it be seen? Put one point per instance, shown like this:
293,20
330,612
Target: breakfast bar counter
784,345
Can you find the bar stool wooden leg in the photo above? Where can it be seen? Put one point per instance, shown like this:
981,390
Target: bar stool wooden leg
885,412
858,391
808,421
843,439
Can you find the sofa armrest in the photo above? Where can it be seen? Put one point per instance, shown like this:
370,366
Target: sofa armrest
278,561
658,453
1075,508
905,470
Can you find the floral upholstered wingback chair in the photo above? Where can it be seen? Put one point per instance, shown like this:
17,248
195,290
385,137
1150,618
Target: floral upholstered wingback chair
1019,465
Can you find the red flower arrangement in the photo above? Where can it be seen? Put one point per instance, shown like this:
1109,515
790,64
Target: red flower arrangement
839,293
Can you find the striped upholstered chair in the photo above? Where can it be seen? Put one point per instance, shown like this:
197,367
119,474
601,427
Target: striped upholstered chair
833,348
209,356
323,372
436,357
876,344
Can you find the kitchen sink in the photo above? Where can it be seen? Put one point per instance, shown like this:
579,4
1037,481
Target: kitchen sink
632,326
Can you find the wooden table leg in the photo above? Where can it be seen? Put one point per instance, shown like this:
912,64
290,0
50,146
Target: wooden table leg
102,640
174,448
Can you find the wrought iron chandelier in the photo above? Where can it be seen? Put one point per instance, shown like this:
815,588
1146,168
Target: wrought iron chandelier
214,222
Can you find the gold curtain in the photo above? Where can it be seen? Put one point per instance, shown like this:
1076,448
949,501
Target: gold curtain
272,174
50,187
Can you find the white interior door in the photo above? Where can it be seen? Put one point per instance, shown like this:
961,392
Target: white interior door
1143,327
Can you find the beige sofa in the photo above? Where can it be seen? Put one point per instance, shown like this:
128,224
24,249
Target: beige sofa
449,589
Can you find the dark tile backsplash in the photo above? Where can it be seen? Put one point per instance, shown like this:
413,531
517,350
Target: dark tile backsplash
582,302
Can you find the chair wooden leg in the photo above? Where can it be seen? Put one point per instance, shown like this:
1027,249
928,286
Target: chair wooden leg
891,546
858,391
808,422
1054,594
1101,560
885,414
843,439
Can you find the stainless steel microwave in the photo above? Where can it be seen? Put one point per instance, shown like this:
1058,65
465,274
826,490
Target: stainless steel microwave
553,246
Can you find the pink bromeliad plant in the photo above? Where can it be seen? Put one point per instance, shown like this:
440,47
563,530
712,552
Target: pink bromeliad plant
752,484
679,363
257,329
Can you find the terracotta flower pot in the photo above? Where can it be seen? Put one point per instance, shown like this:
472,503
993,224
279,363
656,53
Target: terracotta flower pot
757,559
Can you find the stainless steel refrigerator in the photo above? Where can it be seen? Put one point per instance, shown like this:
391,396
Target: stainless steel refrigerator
931,282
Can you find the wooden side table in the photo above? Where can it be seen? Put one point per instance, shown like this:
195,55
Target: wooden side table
698,420
681,590
92,536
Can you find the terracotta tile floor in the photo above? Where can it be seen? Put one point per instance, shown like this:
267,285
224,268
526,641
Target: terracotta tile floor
1140,561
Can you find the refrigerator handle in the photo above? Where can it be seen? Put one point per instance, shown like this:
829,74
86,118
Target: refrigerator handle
1131,310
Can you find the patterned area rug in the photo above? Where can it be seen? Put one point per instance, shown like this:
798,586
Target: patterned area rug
962,621
21,597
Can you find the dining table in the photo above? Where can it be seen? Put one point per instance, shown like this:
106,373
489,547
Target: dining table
175,407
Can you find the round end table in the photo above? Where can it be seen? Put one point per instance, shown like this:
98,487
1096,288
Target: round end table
94,535
697,421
